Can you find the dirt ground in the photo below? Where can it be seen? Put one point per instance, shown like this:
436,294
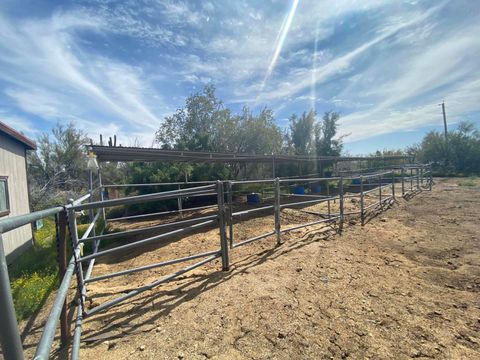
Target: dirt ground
406,285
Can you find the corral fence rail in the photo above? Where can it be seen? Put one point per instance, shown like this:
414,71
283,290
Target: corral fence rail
371,189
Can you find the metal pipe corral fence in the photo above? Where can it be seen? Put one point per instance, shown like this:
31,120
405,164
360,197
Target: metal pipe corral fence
379,186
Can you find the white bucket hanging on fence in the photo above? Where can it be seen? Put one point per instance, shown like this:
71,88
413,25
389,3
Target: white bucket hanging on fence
92,163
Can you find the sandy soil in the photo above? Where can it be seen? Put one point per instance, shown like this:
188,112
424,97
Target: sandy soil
407,284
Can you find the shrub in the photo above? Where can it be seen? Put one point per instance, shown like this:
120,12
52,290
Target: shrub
468,182
33,275
30,292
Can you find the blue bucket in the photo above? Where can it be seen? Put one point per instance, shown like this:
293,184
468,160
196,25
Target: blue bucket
356,181
316,188
253,198
299,189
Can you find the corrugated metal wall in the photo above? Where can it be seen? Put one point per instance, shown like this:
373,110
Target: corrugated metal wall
12,164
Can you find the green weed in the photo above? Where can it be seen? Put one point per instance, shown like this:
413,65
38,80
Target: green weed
468,182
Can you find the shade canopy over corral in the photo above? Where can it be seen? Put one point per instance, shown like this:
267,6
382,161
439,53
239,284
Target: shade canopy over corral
132,154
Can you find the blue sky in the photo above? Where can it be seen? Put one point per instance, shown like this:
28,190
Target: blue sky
121,67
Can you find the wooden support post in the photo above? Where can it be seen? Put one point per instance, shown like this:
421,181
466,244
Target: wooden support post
362,204
221,224
61,237
277,211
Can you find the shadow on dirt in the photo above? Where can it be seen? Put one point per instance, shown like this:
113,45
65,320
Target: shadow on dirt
118,323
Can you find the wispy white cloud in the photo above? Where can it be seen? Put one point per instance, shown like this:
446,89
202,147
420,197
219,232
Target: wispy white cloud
407,99
51,76
19,123
339,64
122,66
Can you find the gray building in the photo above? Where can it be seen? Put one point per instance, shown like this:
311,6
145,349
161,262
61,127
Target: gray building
14,196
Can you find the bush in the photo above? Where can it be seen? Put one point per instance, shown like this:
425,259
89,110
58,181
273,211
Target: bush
468,182
30,292
457,155
33,275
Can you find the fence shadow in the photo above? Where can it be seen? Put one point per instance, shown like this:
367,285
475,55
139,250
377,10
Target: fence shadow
410,195
369,215
164,301
119,322
141,314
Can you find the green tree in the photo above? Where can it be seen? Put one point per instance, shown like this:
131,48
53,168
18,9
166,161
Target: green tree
57,170
302,131
200,125
325,135
458,154
205,124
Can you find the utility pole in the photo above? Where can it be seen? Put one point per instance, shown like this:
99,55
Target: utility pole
446,133
444,118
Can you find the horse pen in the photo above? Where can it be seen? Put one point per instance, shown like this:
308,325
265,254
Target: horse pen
124,277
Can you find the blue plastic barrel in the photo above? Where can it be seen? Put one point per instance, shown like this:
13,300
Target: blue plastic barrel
253,198
316,188
299,189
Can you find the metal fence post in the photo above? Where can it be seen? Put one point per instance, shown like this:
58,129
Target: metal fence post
380,190
328,195
411,179
403,181
221,224
91,214
277,211
431,178
9,334
421,176
362,205
340,187
230,212
77,252
61,220
102,198
179,203
418,178
393,184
